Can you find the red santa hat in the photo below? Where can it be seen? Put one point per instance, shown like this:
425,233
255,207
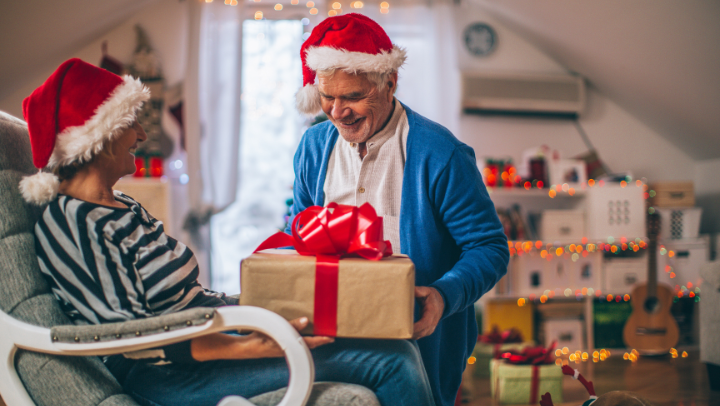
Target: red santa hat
351,42
71,116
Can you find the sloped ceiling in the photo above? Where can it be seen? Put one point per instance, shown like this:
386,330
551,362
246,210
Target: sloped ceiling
658,59
36,35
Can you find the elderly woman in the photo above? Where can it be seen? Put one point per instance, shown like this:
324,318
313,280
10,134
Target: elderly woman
109,260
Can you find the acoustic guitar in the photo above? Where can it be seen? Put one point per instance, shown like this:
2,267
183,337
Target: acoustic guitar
651,329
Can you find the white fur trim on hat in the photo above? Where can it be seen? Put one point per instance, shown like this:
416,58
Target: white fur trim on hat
81,143
324,58
40,188
307,100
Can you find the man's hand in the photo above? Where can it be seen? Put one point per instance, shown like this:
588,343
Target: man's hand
432,309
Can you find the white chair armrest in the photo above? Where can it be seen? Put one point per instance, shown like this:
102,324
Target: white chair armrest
33,338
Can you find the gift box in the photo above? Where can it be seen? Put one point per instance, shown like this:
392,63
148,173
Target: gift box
342,276
493,343
375,299
524,381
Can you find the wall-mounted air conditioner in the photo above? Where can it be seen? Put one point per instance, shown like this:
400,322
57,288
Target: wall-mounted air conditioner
561,95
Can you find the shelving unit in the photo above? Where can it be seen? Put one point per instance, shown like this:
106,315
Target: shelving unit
510,291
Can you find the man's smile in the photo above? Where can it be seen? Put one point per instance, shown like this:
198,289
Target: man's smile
350,123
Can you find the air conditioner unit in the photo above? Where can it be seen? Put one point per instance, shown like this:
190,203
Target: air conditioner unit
561,95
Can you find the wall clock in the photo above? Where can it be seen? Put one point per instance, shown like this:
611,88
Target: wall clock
480,39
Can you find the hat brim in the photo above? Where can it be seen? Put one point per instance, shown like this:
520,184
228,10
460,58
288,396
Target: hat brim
327,58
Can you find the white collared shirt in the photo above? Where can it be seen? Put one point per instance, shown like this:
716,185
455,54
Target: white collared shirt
377,178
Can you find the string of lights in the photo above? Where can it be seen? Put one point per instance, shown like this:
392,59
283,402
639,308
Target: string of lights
336,9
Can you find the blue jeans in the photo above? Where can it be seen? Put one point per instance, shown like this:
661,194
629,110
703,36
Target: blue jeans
392,369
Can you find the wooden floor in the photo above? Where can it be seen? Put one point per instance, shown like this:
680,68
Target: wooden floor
664,381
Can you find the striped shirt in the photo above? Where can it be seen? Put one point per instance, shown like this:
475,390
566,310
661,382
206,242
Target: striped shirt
108,264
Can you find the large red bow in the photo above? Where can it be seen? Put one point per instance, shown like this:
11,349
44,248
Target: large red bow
329,233
335,230
529,355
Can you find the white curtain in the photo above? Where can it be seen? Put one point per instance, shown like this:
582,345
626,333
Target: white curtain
212,119
219,102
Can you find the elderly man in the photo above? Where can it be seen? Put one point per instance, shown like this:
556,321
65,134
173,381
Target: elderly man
416,174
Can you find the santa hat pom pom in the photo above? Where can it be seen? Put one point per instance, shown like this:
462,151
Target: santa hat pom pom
40,188
307,100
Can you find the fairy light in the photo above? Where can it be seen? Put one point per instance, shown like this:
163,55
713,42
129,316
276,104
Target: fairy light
313,10
278,7
258,15
310,4
521,302
336,6
332,13
472,360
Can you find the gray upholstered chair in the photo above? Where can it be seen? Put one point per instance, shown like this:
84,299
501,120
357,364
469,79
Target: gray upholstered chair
48,361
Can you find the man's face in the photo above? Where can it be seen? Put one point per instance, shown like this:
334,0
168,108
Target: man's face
354,105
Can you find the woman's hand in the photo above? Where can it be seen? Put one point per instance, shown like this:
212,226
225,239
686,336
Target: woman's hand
255,345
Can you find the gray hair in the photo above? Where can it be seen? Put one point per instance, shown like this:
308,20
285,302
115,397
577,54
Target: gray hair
379,79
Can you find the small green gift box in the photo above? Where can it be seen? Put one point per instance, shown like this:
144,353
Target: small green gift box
485,352
524,384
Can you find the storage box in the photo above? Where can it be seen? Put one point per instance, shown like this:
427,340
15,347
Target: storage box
615,211
688,256
672,194
622,274
587,271
562,225
375,299
679,223
528,274
506,314
567,333
512,384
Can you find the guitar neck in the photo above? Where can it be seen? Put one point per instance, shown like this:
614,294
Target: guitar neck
652,268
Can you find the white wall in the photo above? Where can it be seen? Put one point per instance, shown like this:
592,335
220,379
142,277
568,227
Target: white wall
623,142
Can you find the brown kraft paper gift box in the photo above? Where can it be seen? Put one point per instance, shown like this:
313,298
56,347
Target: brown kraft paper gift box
375,298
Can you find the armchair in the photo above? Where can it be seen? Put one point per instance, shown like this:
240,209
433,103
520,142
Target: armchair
46,360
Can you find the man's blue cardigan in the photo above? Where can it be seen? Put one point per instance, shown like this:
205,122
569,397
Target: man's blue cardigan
448,228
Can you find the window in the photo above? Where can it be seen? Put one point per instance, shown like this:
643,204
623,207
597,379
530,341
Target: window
270,129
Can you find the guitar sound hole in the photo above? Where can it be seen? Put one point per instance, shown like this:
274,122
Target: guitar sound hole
652,305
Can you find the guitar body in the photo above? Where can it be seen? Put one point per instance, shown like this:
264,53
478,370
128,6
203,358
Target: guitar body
651,333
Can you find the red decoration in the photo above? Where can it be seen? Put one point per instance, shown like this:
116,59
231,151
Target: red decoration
328,234
156,167
140,170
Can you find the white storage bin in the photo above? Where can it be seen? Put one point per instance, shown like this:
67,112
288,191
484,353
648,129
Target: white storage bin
688,257
679,223
559,274
562,225
567,333
587,271
615,211
622,274
527,274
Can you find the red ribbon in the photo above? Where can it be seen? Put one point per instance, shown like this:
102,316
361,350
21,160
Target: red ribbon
330,233
534,384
